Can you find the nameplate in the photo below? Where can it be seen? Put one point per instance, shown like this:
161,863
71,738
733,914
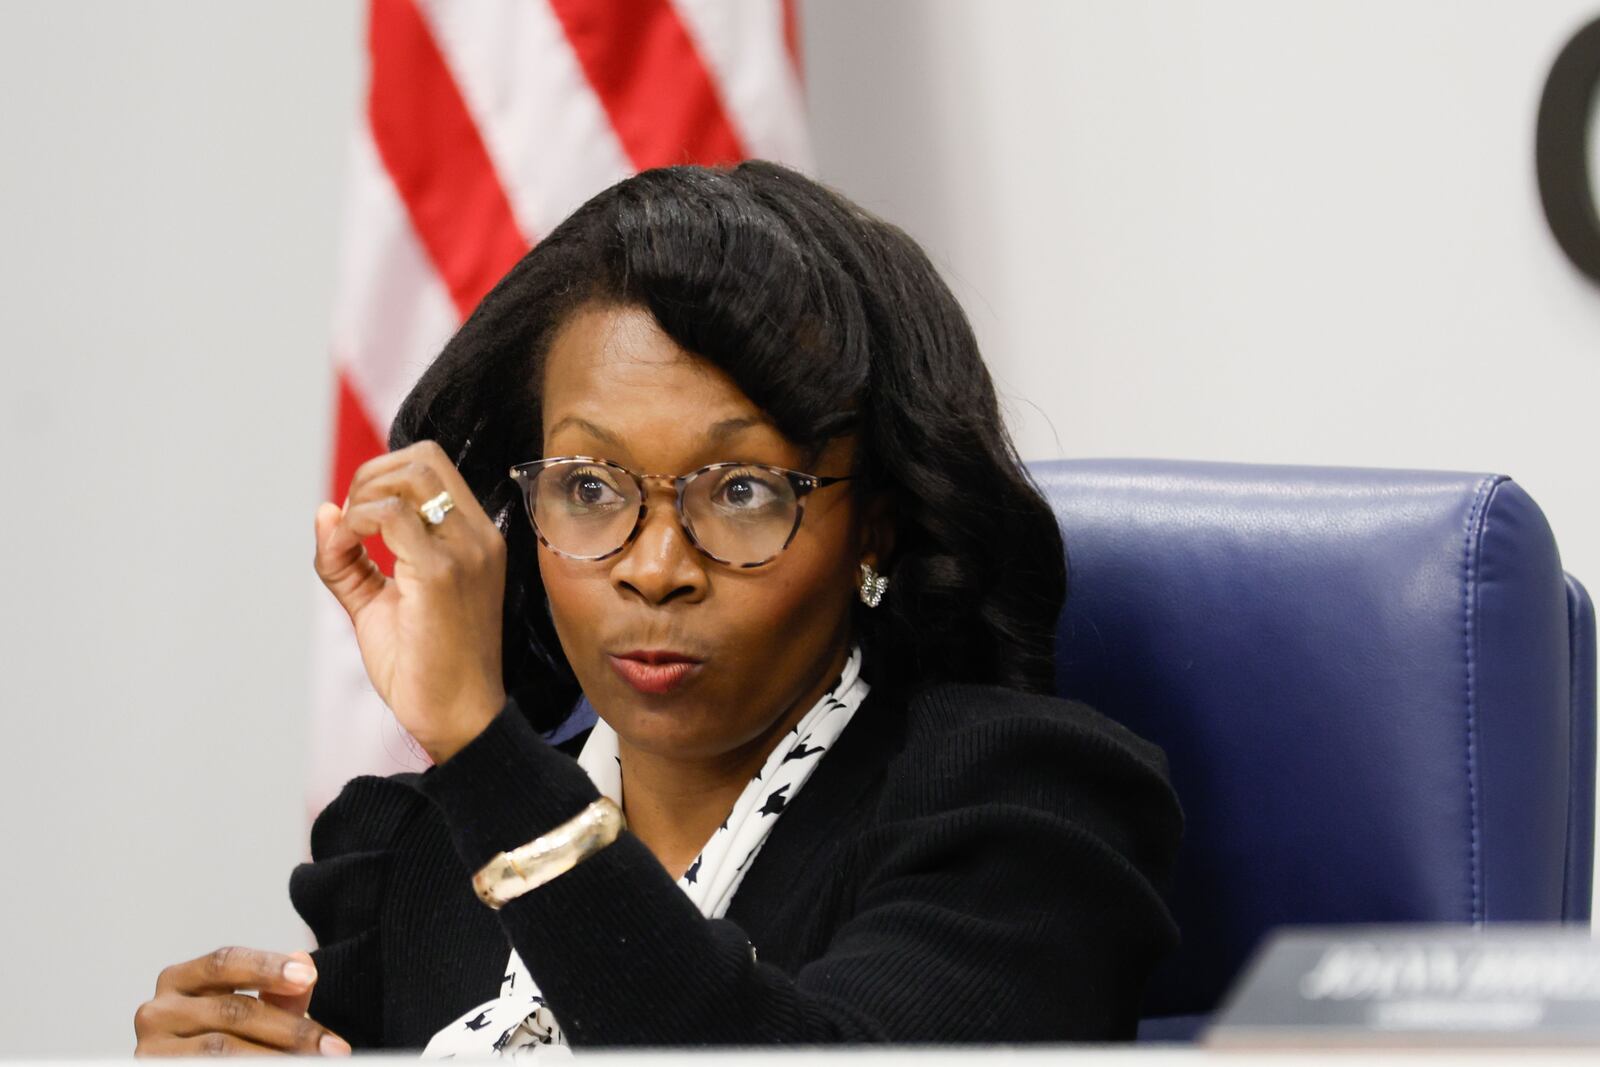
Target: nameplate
1417,985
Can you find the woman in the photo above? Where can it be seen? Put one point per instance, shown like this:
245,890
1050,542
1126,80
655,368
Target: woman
772,528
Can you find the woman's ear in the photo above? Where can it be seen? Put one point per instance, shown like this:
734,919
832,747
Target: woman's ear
877,532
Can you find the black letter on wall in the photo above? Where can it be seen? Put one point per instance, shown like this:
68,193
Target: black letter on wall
1562,150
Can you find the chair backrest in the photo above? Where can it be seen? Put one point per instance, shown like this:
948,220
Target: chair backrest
1375,689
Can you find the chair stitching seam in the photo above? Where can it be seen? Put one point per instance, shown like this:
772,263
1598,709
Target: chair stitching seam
1475,527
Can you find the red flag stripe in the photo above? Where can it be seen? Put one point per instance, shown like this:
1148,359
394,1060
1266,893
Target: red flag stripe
791,36
356,440
651,81
432,150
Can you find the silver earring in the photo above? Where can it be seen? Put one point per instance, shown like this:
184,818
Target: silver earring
872,585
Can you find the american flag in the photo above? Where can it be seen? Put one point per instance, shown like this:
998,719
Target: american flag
486,123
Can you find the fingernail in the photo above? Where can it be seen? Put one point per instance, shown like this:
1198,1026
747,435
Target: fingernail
333,1046
299,973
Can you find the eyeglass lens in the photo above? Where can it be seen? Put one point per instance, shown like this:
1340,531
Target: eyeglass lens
737,514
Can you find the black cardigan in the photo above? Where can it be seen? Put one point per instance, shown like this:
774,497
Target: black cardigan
973,864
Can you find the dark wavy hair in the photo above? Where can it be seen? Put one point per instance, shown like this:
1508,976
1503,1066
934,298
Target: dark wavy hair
831,321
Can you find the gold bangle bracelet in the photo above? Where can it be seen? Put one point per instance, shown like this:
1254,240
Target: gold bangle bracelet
511,874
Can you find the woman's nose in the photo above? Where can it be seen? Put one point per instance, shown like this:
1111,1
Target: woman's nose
661,563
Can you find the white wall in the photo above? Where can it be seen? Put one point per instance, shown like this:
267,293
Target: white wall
1237,229
170,177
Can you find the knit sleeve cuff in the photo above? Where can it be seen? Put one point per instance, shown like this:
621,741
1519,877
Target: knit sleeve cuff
505,787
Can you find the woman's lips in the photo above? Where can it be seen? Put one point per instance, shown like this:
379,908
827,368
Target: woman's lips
653,677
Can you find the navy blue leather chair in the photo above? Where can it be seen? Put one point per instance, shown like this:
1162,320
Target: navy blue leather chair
1375,689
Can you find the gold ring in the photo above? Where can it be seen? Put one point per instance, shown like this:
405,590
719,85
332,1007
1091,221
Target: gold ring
434,511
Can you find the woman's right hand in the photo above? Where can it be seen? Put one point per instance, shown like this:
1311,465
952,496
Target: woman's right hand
198,1011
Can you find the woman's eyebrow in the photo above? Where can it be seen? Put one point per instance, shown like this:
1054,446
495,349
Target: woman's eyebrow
717,431
587,427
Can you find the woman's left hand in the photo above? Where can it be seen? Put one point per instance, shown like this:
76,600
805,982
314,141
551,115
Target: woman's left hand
429,636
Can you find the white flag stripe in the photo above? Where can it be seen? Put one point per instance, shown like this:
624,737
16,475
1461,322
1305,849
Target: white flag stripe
743,49
551,141
393,314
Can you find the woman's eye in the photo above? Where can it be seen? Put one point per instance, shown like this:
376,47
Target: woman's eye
591,489
746,491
